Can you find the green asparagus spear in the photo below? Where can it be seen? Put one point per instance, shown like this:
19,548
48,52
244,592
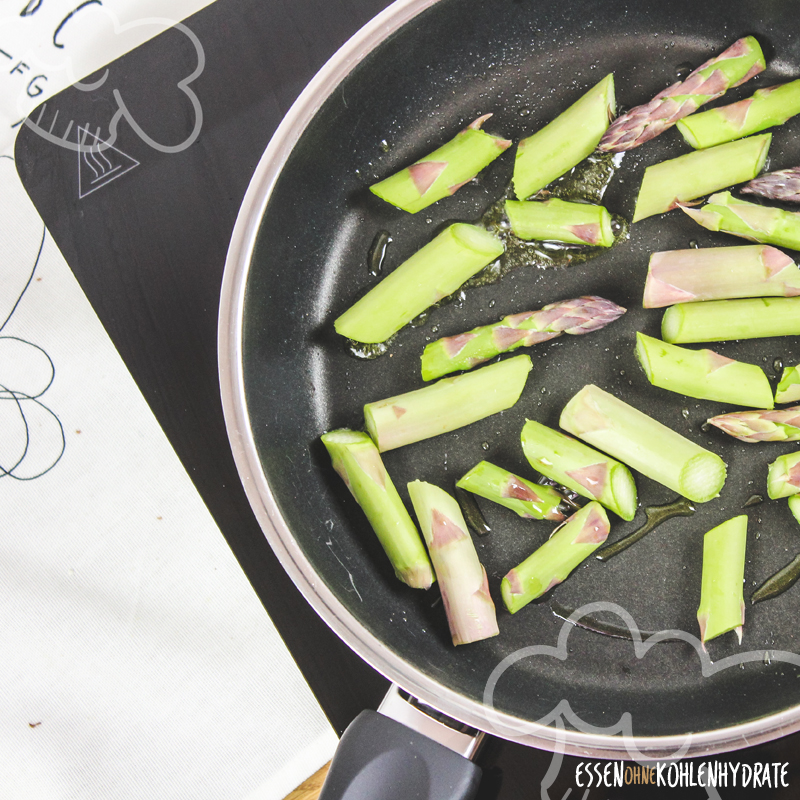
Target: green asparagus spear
702,374
581,468
462,579
783,476
572,543
758,425
766,108
560,221
788,390
529,500
724,320
719,273
721,596
466,350
781,185
643,443
567,140
447,404
444,171
740,62
358,462
432,273
794,507
725,213
671,183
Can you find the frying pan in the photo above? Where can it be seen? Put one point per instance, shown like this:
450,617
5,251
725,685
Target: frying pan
407,82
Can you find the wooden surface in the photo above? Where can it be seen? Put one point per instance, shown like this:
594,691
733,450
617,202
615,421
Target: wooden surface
310,789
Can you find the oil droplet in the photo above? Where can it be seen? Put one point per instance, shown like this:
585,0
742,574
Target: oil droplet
367,352
377,253
683,69
655,516
485,445
685,413
694,244
767,657
777,365
491,304
384,146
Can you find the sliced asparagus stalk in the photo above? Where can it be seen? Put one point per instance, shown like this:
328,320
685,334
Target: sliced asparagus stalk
702,374
724,320
566,141
671,183
722,593
432,273
358,462
581,468
447,404
766,108
529,500
643,443
560,221
444,171
725,213
788,390
462,579
740,62
794,507
781,185
782,425
466,350
719,273
783,476
572,543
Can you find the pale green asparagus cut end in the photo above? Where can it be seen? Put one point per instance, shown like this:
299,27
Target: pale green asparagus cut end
702,374
671,183
788,390
722,597
357,461
566,141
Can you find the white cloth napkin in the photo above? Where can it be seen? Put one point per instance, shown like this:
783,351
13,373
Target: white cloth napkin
135,659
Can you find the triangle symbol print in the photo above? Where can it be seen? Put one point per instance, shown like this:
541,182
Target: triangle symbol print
99,163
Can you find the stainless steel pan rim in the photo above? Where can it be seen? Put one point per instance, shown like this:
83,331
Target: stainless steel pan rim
371,649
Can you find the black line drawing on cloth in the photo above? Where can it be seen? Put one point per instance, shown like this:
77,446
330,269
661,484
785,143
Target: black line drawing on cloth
32,437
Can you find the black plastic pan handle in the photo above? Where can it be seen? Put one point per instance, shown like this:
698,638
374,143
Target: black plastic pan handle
380,759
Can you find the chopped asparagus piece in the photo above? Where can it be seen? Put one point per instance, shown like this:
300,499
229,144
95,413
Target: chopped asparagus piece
444,171
560,221
462,579
356,459
566,141
447,404
740,62
643,443
725,213
702,374
788,390
721,596
724,320
572,543
782,425
529,500
719,273
783,476
466,350
432,273
781,185
581,468
766,108
794,507
671,183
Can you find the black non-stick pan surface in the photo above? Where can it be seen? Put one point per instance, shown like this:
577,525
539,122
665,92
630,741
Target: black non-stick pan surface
524,62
